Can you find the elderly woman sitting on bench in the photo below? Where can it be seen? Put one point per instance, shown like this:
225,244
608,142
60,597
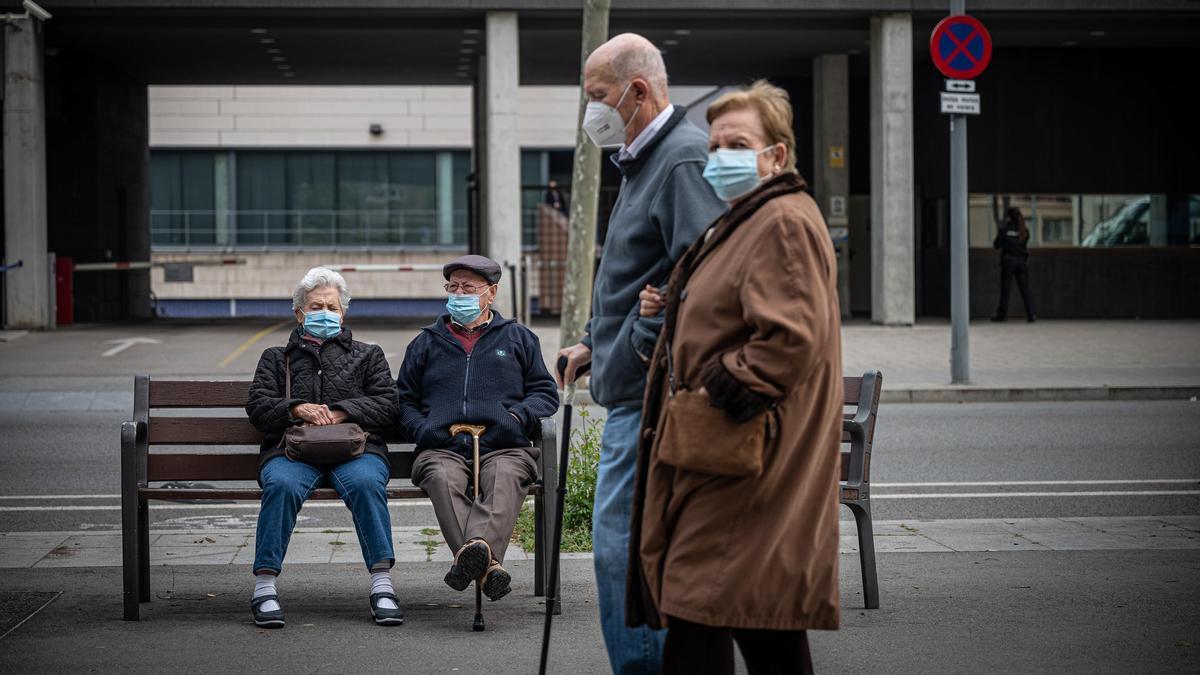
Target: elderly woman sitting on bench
475,367
323,377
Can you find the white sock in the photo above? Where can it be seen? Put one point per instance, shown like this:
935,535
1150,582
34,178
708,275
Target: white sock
381,582
264,584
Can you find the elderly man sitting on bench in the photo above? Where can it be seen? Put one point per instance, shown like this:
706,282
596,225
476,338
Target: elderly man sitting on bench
473,366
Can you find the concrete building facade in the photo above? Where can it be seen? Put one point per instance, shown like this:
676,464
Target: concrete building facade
401,132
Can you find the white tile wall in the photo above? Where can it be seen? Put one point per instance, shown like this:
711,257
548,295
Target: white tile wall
275,116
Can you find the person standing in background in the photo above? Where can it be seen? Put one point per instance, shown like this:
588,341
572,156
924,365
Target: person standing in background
1011,240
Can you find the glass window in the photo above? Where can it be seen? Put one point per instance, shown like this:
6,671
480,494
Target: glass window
1093,221
182,198
315,199
412,199
312,198
262,199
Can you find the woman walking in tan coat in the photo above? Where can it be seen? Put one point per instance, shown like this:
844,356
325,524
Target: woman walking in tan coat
736,512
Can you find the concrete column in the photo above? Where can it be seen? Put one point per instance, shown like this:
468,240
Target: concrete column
475,233
831,165
502,210
893,287
445,198
27,289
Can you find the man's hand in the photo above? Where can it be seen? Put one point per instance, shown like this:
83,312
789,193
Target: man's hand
577,356
339,416
314,413
652,301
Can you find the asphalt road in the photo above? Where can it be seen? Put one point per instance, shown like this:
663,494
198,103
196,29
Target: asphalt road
930,462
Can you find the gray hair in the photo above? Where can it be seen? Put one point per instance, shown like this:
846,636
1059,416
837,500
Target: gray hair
638,57
320,277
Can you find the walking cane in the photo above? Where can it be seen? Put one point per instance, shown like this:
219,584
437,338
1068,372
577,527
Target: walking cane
564,456
476,431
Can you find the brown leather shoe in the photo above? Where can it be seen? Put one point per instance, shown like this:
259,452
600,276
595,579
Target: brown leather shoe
470,563
497,583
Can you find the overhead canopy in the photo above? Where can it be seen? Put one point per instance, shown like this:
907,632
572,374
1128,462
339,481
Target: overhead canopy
433,43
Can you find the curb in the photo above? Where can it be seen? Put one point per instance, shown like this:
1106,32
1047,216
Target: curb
1037,394
970,394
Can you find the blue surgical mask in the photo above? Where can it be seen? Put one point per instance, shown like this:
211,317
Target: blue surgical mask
463,308
733,173
322,323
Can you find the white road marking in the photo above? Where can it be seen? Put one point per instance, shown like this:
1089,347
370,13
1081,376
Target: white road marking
1001,483
125,343
34,497
159,505
991,495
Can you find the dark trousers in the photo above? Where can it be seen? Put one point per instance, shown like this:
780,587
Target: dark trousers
1014,267
695,648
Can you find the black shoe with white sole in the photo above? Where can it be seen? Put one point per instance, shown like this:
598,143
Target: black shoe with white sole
383,615
272,619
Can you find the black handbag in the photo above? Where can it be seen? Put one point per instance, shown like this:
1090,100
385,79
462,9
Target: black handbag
320,443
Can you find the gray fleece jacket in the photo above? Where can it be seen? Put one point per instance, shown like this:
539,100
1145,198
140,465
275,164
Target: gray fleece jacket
663,206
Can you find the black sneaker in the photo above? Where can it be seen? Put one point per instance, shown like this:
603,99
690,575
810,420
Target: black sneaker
263,619
470,563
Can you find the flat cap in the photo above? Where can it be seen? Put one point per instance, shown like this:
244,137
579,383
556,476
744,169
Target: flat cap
485,267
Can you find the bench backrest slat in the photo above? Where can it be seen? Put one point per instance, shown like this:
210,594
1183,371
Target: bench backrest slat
198,394
239,466
851,389
203,431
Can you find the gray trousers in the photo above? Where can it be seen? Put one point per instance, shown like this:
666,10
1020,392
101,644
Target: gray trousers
503,483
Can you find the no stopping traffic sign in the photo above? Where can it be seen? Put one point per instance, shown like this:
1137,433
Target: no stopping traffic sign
961,47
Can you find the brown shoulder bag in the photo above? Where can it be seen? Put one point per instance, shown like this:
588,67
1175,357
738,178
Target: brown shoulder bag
321,443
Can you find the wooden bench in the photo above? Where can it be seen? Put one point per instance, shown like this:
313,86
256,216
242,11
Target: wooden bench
140,467
858,431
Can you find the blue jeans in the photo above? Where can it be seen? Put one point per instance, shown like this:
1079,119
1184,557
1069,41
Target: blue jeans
362,484
630,650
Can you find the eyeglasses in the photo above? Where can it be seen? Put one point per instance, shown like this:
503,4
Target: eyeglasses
469,289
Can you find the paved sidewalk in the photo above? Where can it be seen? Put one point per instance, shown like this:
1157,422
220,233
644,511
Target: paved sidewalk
425,544
990,612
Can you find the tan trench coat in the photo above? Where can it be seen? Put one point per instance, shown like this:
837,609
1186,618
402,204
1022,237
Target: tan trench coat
752,317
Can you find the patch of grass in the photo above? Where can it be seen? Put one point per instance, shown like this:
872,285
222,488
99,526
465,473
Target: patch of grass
581,491
430,544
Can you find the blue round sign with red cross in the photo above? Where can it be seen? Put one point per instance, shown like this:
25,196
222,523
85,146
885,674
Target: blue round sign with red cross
961,47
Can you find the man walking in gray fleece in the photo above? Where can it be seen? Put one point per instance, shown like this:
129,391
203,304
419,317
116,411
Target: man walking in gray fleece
663,206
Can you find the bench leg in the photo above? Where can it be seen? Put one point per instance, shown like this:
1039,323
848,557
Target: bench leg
866,552
131,556
539,545
143,544
134,556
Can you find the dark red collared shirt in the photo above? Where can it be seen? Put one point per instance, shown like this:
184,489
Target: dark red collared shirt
466,337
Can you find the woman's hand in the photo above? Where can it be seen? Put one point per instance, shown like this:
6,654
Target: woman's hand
316,413
652,301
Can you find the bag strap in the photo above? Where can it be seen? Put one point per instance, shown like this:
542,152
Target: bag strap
287,389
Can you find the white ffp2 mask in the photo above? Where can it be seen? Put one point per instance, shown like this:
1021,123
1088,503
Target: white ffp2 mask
603,123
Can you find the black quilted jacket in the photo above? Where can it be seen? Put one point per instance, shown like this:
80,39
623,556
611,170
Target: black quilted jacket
343,374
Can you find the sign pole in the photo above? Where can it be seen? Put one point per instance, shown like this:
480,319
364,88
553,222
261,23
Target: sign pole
960,295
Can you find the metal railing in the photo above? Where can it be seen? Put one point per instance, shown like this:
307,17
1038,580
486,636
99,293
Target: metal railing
281,229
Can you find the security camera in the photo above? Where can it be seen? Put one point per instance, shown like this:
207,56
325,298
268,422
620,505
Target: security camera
32,9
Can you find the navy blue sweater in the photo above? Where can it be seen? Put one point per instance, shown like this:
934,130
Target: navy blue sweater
440,385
